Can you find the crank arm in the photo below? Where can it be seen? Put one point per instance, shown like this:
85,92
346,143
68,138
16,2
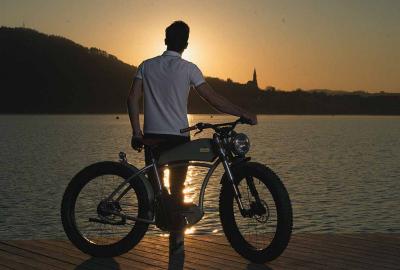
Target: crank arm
103,221
132,218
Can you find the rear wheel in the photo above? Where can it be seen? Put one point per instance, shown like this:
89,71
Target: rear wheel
264,232
85,212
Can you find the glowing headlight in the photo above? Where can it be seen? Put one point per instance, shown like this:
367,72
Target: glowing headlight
241,144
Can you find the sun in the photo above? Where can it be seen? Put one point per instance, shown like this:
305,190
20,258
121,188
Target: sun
189,54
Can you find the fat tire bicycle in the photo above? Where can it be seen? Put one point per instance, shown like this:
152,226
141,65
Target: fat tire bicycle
108,206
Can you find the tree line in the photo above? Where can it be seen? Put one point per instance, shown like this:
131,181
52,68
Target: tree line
42,73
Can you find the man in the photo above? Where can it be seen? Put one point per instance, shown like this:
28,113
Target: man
166,81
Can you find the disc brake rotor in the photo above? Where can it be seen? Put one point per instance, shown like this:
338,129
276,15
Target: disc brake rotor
262,212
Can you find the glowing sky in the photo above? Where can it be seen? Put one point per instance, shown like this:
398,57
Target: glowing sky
348,44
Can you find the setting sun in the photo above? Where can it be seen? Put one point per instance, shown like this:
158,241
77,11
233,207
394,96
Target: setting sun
292,44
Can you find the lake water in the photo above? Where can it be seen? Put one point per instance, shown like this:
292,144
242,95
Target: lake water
342,172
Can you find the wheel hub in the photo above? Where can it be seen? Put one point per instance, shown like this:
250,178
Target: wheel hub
259,210
105,208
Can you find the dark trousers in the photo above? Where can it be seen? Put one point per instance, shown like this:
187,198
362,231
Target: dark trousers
177,175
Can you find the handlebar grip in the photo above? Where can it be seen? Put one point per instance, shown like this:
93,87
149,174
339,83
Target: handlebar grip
184,130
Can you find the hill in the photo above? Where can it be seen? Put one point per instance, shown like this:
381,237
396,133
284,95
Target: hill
42,73
51,74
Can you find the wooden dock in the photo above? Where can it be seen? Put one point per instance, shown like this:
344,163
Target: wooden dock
305,251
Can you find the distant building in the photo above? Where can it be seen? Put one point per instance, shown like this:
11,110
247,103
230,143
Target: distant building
254,82
270,88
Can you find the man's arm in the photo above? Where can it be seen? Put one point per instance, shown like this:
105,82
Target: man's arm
222,104
133,106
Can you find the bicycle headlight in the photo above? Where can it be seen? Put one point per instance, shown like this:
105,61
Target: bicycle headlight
241,144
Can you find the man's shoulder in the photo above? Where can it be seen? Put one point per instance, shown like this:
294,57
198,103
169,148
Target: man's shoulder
153,59
189,65
187,62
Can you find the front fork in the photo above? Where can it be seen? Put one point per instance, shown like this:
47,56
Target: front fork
224,160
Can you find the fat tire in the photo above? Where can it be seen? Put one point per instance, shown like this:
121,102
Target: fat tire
283,207
68,207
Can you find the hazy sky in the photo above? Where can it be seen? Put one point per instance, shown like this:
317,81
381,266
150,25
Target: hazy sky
348,44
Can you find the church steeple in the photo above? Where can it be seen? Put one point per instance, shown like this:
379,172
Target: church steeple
253,83
255,78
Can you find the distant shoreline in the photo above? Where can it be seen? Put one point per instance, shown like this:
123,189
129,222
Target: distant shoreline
54,75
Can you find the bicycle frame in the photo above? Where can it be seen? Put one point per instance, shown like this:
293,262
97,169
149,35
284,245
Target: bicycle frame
153,166
221,158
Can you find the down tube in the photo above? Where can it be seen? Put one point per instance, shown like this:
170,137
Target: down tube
205,182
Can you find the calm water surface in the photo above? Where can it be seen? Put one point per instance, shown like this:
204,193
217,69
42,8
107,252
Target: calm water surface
342,172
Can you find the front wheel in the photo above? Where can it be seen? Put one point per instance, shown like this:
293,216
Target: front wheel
262,233
85,211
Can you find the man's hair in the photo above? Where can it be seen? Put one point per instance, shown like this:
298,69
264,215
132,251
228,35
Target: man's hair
176,36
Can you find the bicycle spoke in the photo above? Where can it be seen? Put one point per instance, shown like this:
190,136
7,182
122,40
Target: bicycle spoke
102,232
257,230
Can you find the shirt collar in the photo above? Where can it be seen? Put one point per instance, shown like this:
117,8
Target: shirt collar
171,53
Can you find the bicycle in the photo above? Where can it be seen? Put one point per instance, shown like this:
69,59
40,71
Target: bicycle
254,205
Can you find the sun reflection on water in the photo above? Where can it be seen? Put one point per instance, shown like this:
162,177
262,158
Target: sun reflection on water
190,230
166,180
188,191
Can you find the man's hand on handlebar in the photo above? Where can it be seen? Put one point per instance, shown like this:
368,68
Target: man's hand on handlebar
252,118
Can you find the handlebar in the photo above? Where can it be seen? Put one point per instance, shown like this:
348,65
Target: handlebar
184,130
200,126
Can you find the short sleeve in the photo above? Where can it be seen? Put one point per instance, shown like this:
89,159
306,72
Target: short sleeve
195,76
140,71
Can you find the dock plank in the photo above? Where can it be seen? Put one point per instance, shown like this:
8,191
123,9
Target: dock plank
220,248
47,246
35,256
305,251
286,261
336,250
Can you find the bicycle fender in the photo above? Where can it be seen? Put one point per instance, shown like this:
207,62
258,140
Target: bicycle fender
145,181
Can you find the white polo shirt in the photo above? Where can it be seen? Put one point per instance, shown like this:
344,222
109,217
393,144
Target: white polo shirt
166,84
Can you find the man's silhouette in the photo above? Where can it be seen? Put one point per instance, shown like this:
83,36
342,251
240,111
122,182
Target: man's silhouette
166,81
